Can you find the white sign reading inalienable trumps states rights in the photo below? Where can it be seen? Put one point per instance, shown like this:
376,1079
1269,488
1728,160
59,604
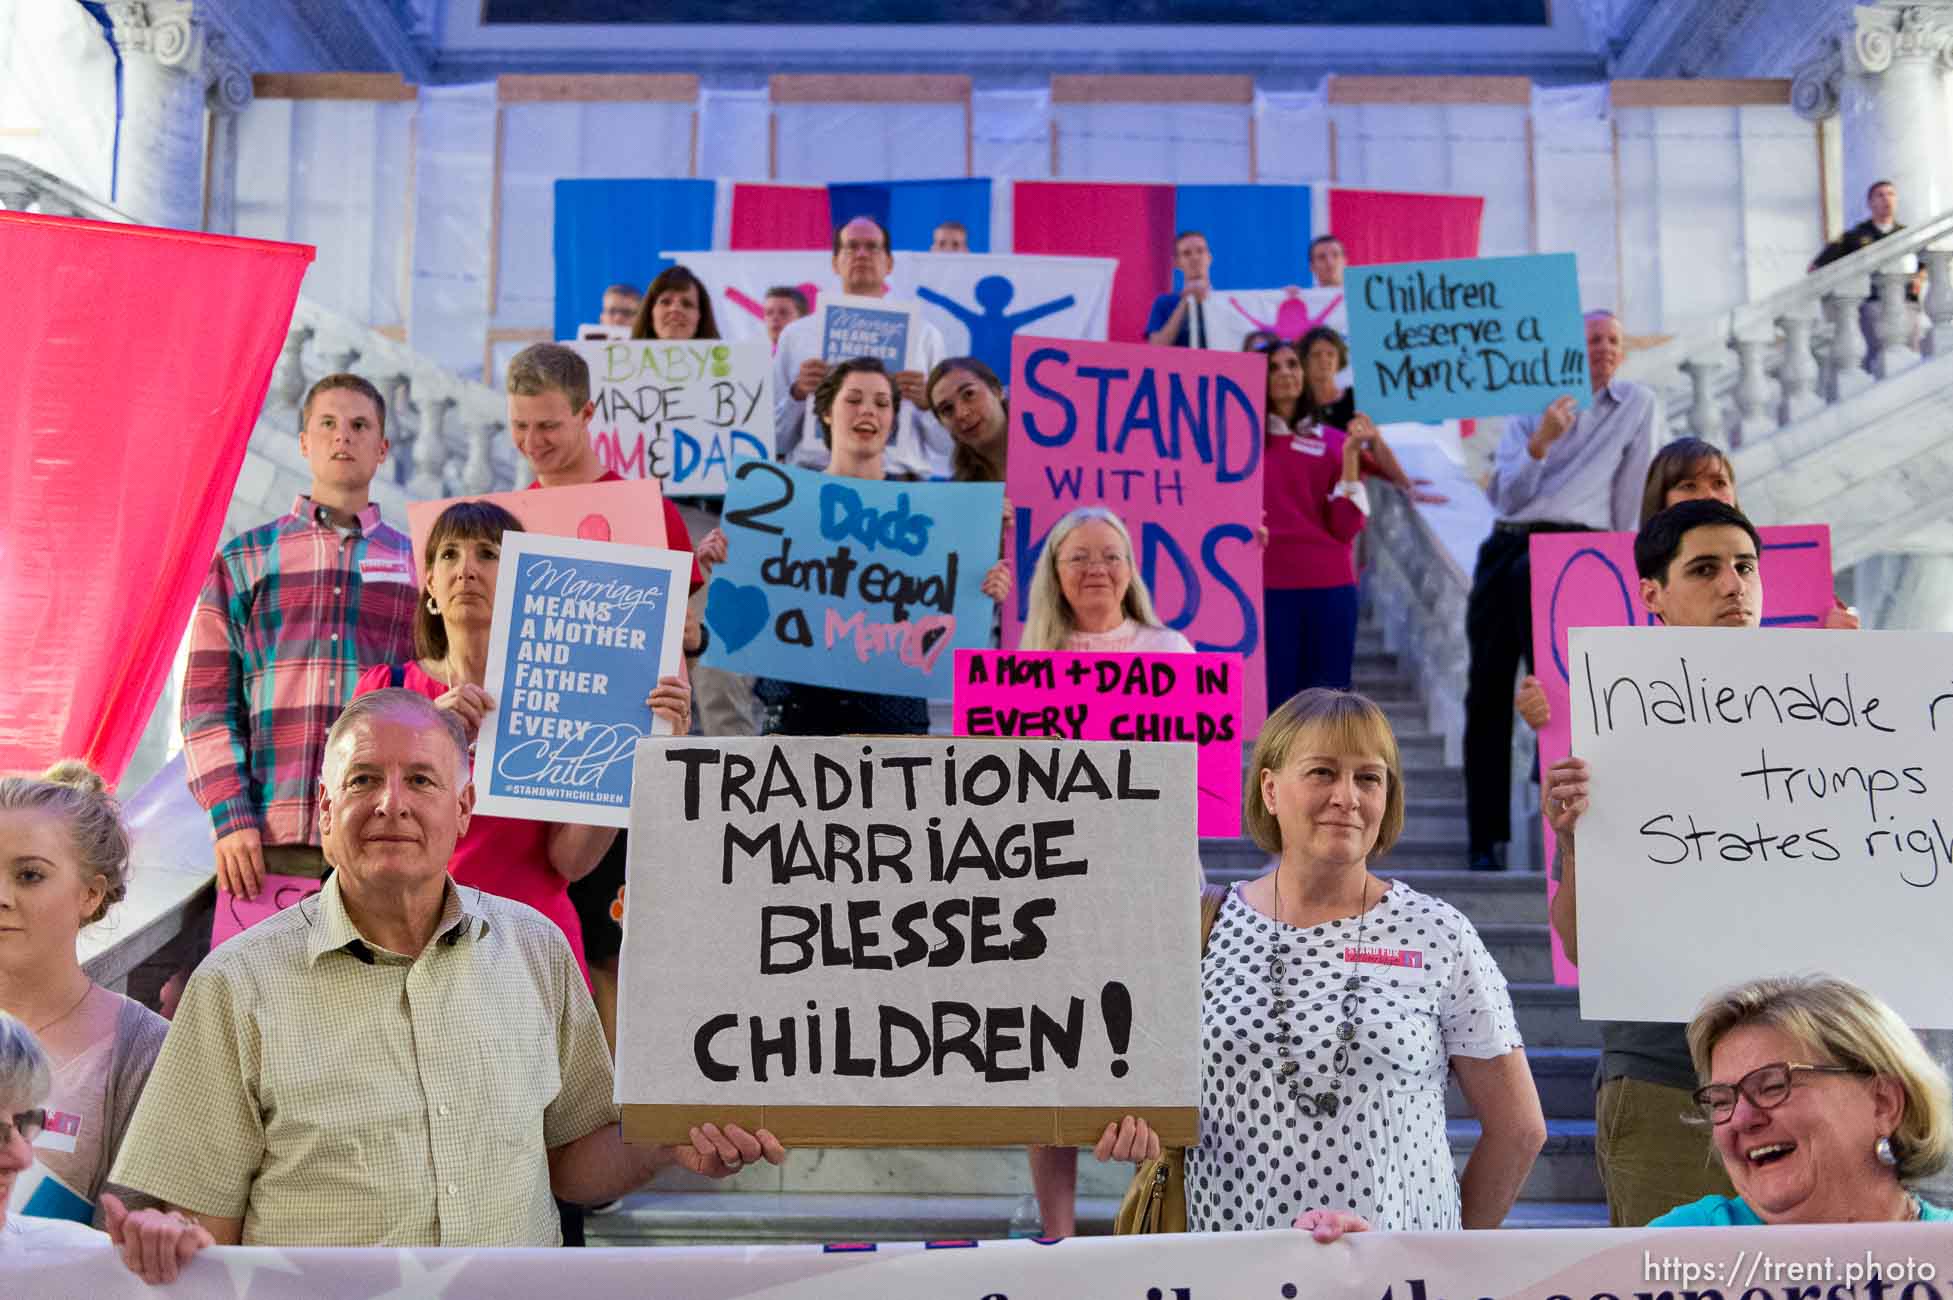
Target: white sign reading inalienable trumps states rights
1765,802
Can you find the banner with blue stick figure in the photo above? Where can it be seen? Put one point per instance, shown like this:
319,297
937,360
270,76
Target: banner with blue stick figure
979,301
850,583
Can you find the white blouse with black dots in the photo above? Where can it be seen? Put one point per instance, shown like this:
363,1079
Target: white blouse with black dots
1385,1156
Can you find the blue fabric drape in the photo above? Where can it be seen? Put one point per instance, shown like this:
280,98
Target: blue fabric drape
911,210
1259,233
612,230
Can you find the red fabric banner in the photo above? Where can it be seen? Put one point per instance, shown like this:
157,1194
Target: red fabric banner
1377,227
1133,223
780,216
143,356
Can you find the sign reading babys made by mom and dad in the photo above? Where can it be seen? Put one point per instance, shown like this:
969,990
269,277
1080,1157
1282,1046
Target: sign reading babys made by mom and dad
680,411
1476,336
582,631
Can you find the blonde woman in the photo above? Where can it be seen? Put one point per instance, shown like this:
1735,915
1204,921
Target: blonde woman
1087,595
64,862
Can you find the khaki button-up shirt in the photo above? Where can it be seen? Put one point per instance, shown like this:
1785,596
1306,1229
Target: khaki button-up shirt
332,1093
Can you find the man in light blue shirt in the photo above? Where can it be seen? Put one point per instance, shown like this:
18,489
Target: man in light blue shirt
1564,470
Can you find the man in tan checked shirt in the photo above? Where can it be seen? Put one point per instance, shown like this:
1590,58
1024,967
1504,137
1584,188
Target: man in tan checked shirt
397,1060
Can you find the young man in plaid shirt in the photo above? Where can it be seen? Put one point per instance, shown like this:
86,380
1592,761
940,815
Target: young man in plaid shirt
291,614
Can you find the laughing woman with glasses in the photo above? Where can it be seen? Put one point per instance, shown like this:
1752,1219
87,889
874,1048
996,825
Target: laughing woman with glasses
1824,1107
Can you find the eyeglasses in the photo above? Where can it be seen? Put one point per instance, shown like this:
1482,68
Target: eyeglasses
30,1124
1767,1087
1078,561
861,246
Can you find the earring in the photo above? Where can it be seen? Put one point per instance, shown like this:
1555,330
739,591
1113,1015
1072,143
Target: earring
432,608
1883,1153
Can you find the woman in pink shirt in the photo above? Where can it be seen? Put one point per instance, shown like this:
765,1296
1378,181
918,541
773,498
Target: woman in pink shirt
1314,506
531,862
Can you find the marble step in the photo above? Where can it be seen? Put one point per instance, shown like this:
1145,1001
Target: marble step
1524,951
1563,1075
1565,1170
1549,1016
763,1218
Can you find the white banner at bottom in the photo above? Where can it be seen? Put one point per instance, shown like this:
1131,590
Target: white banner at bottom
1842,1262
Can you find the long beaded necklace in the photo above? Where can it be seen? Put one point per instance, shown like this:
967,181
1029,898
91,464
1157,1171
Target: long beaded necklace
1324,1104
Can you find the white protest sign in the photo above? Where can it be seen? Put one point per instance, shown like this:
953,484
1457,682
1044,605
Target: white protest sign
680,411
1765,802
581,633
820,923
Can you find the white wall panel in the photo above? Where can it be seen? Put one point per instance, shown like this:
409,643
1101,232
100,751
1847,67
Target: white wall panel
871,142
1179,144
1573,162
1781,197
1292,139
1011,135
1683,204
732,133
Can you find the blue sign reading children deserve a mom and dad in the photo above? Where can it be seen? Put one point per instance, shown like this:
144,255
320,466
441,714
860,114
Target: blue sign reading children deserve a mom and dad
582,631
1433,341
855,584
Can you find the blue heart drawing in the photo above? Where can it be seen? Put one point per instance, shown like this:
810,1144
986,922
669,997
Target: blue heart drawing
735,614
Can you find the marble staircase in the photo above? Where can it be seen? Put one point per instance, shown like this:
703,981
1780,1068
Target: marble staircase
901,1195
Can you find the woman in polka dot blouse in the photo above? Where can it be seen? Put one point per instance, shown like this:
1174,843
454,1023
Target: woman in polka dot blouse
1334,1006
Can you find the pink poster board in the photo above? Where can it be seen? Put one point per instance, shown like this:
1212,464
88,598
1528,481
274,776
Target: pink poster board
632,511
1170,438
1035,694
236,915
1589,580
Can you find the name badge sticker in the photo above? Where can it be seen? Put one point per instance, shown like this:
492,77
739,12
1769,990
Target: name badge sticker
63,1128
1375,955
384,569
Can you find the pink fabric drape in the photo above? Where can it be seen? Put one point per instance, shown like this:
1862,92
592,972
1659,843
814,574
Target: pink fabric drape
1378,227
141,359
780,216
1133,223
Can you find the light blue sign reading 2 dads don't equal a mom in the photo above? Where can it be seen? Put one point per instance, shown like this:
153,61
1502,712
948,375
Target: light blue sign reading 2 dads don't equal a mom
850,583
582,632
1481,336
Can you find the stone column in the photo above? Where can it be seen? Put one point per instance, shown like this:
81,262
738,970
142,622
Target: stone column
228,96
1886,77
159,160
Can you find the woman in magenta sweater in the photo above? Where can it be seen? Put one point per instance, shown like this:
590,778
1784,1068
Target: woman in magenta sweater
1314,505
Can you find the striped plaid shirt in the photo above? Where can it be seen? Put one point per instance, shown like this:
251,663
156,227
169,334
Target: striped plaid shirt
291,614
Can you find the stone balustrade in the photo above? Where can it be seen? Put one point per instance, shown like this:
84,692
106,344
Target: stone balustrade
1745,374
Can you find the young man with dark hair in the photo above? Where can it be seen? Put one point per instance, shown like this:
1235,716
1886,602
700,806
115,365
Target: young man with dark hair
1327,261
782,306
1179,320
1700,566
290,615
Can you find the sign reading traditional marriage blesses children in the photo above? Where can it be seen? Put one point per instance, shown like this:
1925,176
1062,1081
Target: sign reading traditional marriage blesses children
1126,697
855,584
840,938
1170,438
1447,340
882,328
1589,580
1762,804
680,411
582,631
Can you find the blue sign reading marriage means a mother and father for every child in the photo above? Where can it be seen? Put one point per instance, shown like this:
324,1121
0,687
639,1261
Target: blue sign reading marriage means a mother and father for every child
856,584
582,632
1433,341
